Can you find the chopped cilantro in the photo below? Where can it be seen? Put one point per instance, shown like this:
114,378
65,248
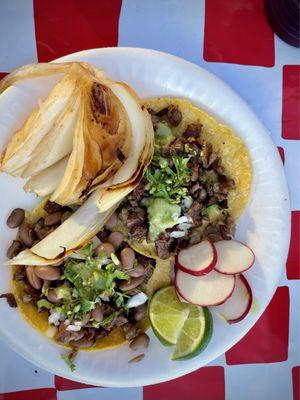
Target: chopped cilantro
45,288
69,363
214,213
167,183
43,303
86,306
109,319
121,299
121,275
87,278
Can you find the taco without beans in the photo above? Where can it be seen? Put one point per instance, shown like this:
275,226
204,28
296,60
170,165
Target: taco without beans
196,186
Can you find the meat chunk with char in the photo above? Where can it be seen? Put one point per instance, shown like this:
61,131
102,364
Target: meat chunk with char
163,244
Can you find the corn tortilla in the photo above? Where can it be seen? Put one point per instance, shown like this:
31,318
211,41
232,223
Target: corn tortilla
39,320
230,148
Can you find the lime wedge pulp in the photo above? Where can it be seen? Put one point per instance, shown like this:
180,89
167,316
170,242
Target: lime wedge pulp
195,334
167,315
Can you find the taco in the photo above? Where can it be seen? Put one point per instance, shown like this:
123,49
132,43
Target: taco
196,186
95,299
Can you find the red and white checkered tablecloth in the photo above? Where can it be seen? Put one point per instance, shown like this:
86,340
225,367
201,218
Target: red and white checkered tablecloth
232,39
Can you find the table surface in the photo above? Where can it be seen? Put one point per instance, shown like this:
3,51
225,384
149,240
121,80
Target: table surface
232,39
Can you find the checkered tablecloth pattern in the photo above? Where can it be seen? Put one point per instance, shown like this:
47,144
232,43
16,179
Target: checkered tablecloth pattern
232,39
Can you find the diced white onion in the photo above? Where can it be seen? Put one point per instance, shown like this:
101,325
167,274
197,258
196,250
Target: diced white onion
62,317
187,202
73,328
104,297
137,300
114,259
54,318
185,226
177,234
51,331
182,219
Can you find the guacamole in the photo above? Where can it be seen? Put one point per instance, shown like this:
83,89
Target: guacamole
161,215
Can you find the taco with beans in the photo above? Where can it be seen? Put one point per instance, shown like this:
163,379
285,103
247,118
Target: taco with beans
196,186
97,297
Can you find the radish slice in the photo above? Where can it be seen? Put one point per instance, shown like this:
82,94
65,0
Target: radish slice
207,290
233,257
238,305
197,260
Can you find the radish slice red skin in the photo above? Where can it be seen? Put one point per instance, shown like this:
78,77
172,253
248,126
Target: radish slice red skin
196,304
248,287
240,270
203,271
250,300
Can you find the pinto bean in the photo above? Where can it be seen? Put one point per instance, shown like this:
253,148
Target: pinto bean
140,312
66,337
48,272
26,235
51,207
52,296
107,247
14,249
42,231
140,341
136,272
15,218
115,238
54,218
83,343
111,223
127,257
65,216
97,313
85,318
136,359
131,330
35,281
20,274
133,283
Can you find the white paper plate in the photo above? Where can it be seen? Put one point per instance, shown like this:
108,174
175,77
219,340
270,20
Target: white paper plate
264,226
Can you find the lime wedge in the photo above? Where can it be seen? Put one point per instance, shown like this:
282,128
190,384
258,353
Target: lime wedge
167,315
195,333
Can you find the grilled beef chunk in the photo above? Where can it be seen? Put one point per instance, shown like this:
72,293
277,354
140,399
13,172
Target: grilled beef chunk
10,298
192,131
163,244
